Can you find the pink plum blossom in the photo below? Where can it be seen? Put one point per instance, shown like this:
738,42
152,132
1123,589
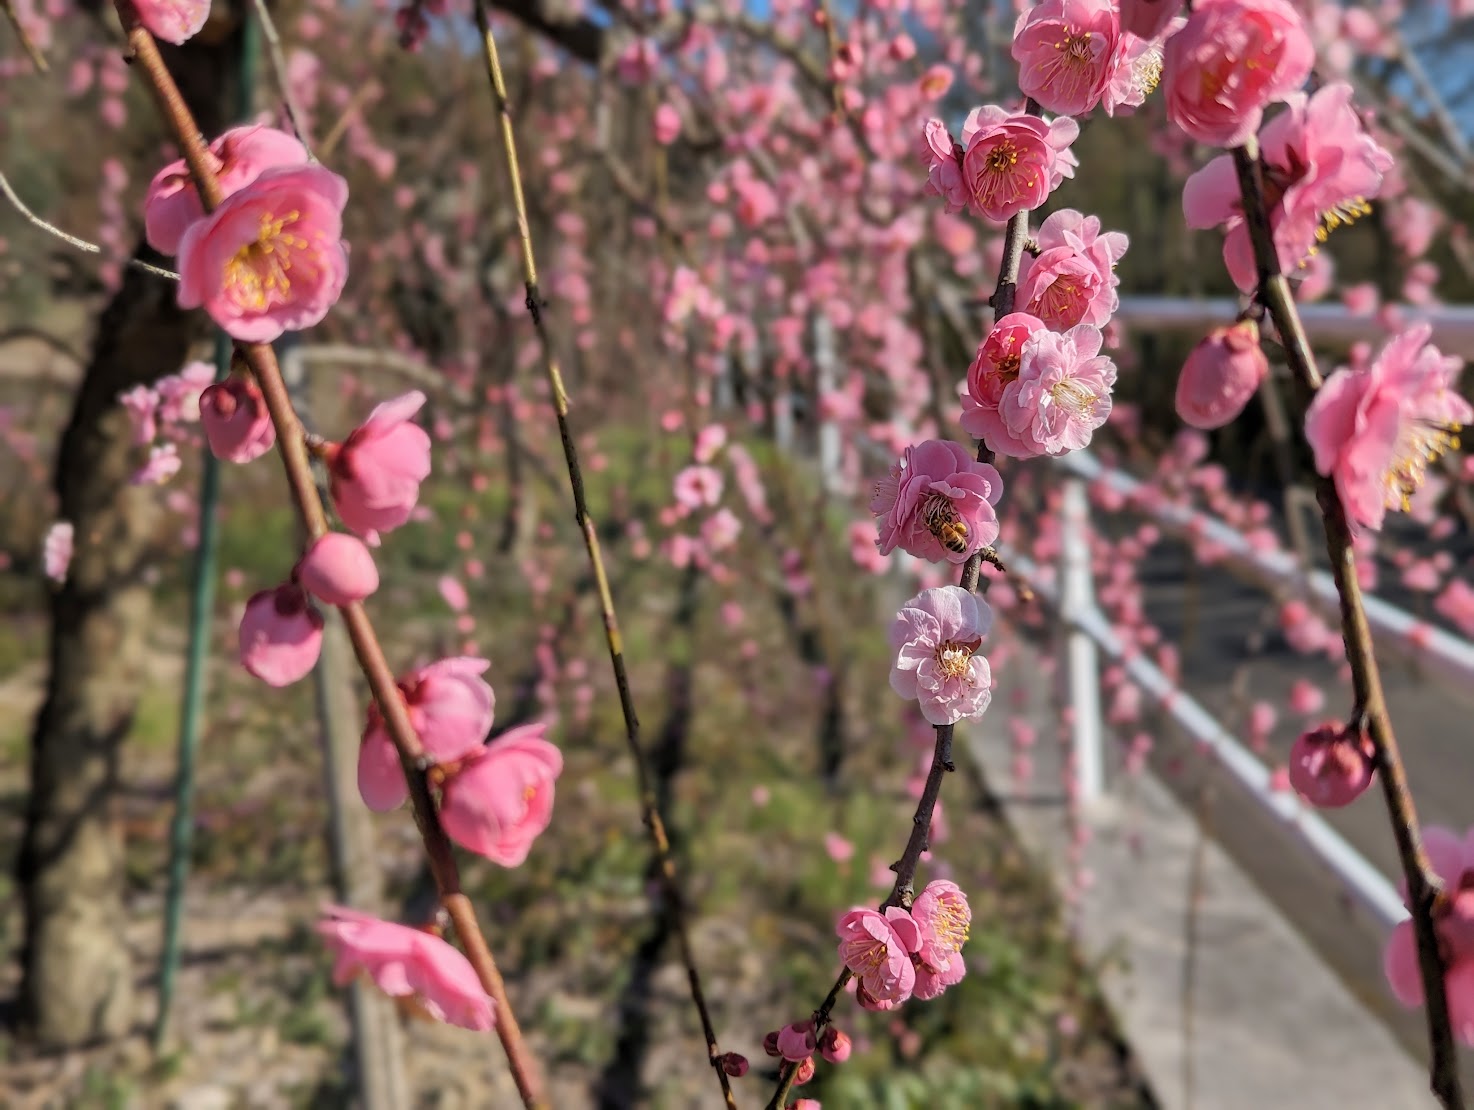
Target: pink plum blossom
1073,280
338,569
1375,430
1456,604
943,160
1331,766
877,948
1230,61
239,156
1010,161
937,503
376,472
1135,74
1220,375
407,963
163,463
995,367
270,259
173,21
1063,393
237,426
501,798
142,404
1452,857
696,486
451,709
280,635
56,551
935,638
1320,168
1066,50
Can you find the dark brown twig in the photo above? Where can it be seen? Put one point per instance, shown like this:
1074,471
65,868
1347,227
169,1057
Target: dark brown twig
1424,888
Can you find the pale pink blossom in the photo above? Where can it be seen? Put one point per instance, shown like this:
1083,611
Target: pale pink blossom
375,474
698,486
172,20
1220,375
937,503
141,404
56,551
720,530
407,963
1331,766
1073,279
1230,61
451,709
667,124
163,463
237,426
1013,161
501,798
1063,392
270,259
1306,698
1065,50
280,635
238,157
935,639
944,918
338,569
877,949
709,442
1320,168
1375,431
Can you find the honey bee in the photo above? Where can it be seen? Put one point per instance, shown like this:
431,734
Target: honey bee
942,521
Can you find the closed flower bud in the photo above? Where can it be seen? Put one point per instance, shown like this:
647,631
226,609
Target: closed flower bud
1331,766
835,1046
235,420
734,1064
280,635
1220,376
805,1071
796,1042
338,569
770,1044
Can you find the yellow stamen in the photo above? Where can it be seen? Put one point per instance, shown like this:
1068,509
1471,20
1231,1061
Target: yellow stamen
1073,396
258,273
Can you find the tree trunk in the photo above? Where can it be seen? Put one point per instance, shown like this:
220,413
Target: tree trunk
78,979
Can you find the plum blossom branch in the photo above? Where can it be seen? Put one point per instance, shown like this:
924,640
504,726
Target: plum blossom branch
27,44
650,811
261,360
72,240
1424,887
279,71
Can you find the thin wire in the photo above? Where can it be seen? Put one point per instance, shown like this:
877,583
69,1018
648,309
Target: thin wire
80,244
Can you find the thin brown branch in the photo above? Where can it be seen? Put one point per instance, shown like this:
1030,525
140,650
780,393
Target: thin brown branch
292,445
1424,888
27,44
355,105
279,70
650,811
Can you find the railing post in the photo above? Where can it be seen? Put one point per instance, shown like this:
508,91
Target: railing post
1077,597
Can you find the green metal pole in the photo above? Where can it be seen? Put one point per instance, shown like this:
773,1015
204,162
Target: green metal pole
202,610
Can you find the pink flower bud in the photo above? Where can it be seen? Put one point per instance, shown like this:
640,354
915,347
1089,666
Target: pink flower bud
338,569
734,1064
770,1044
377,471
835,1046
1220,376
1331,766
805,1071
280,635
796,1042
235,420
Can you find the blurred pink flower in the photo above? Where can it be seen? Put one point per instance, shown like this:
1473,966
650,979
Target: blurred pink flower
163,463
280,635
56,551
1375,431
1065,50
141,403
172,20
839,849
935,638
499,801
1331,766
696,486
1148,18
407,963
1231,60
877,949
1073,279
709,441
667,124
236,423
338,569
270,259
1220,375
239,156
376,472
453,593
1456,603
937,503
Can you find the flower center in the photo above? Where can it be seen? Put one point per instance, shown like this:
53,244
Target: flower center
872,957
1000,175
1075,48
953,659
1418,445
1072,395
951,927
257,274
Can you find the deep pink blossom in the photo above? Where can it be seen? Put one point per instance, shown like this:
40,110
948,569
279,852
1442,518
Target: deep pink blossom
1148,18
995,367
236,423
451,709
1376,430
1073,279
501,798
797,1041
173,21
1011,161
877,949
238,157
280,635
1220,375
376,472
937,503
935,639
1452,859
338,569
407,963
1331,766
1321,167
1063,393
1231,60
1065,50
